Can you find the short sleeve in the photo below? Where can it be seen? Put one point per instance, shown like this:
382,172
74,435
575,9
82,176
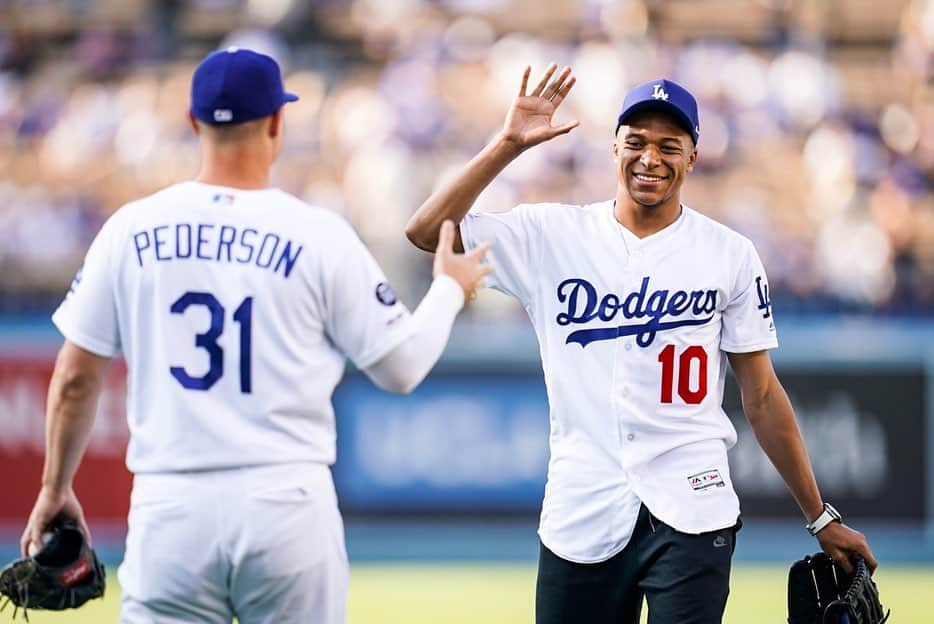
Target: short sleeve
363,316
88,315
515,236
748,324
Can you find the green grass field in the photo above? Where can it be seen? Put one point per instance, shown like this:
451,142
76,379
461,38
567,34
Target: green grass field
494,593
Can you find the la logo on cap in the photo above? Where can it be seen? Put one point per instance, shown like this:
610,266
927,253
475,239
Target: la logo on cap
659,93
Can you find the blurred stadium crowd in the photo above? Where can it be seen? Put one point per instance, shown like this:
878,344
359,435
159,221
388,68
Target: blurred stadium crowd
817,122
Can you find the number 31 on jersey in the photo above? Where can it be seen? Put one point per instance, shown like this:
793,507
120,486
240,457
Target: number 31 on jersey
243,316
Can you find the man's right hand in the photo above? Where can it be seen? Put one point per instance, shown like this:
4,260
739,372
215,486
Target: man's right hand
465,268
529,119
50,504
528,123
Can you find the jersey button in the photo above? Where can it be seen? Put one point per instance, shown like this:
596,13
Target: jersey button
631,437
629,346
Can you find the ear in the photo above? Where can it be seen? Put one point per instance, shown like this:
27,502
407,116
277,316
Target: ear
616,150
692,159
194,123
275,124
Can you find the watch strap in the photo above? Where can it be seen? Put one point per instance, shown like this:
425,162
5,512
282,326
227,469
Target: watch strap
830,514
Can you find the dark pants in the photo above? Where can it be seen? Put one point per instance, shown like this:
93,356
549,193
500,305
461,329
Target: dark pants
684,578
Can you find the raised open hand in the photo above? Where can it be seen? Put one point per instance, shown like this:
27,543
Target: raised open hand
528,122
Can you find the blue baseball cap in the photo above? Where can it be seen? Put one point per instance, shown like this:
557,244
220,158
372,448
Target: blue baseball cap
666,96
236,85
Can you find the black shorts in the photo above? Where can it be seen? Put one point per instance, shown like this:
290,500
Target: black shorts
684,578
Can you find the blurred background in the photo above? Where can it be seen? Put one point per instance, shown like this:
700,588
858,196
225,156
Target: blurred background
817,142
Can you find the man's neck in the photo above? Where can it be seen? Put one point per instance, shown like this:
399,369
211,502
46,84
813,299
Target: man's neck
233,169
235,182
645,220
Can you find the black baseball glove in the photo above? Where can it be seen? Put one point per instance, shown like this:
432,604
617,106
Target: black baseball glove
820,592
64,574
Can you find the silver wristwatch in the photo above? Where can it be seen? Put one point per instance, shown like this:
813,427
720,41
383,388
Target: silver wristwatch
827,516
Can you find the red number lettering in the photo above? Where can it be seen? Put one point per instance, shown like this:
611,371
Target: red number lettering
691,396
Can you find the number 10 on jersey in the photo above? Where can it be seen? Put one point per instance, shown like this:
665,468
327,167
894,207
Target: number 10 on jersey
243,316
684,367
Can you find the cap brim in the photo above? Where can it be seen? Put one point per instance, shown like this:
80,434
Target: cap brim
663,107
289,97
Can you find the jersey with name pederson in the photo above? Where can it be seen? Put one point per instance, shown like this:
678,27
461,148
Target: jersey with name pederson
234,310
632,334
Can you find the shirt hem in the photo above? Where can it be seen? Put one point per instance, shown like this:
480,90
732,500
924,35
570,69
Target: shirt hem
221,467
88,343
716,527
582,560
758,346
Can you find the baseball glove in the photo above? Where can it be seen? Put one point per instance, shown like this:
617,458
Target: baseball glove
64,574
820,592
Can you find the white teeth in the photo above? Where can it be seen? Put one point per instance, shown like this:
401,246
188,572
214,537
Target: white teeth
647,178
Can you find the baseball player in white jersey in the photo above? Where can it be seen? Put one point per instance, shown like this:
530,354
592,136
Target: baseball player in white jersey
235,305
638,302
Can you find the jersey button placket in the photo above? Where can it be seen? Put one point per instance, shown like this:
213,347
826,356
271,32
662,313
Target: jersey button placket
621,390
628,277
624,355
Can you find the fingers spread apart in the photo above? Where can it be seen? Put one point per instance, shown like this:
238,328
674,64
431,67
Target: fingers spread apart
552,89
540,87
563,91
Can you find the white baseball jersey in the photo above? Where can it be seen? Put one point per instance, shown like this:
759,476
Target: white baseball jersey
234,310
632,335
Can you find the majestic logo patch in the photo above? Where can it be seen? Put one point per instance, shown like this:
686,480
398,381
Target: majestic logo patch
385,295
659,93
584,305
705,480
765,302
719,542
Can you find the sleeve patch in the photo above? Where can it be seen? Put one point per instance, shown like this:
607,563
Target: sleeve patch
385,294
765,301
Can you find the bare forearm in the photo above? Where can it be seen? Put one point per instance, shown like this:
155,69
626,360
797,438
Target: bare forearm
773,422
456,197
72,402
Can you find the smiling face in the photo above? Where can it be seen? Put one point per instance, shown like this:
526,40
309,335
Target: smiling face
653,155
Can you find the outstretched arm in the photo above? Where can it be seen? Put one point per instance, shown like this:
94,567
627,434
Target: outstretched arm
72,403
528,123
773,421
457,276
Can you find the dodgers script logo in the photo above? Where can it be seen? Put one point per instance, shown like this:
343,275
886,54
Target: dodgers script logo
584,305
